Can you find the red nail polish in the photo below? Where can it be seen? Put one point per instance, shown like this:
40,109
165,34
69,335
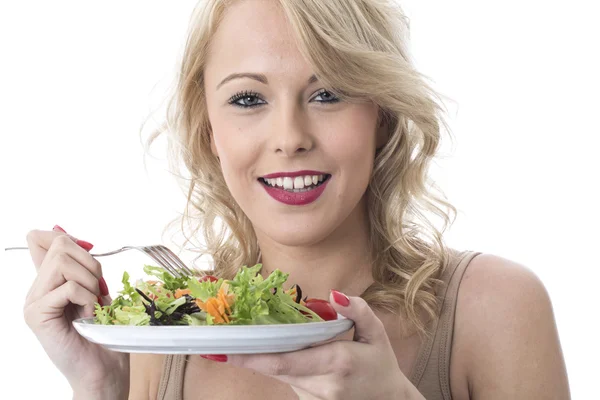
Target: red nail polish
59,229
87,246
215,357
100,301
340,298
103,287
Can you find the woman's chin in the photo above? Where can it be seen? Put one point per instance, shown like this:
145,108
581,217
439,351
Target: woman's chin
303,236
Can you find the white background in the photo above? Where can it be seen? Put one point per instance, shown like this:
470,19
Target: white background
78,78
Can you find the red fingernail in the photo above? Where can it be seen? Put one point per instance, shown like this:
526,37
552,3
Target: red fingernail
87,246
103,287
340,298
215,357
58,228
100,301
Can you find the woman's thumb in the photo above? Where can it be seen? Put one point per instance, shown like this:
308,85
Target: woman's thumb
367,327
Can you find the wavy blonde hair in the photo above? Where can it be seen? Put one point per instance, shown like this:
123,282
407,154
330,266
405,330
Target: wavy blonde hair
358,48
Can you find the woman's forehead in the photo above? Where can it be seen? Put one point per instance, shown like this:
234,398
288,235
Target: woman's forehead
255,36
254,27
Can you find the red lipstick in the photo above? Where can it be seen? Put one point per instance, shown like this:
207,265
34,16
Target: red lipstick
293,174
295,198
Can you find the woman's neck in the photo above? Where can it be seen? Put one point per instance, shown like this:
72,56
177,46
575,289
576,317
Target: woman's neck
342,261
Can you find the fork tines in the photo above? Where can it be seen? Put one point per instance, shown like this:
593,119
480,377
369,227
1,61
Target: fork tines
167,259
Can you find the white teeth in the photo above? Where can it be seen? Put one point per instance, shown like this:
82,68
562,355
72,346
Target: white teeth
298,182
288,183
302,183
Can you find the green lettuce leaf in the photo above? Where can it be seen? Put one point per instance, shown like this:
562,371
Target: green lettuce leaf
203,290
169,281
135,315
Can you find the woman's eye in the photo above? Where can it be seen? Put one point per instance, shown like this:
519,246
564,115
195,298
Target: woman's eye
246,100
326,97
251,99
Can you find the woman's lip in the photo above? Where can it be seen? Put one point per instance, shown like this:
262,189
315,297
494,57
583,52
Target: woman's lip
293,174
296,199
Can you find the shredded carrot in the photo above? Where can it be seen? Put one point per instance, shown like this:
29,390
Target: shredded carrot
180,292
221,307
218,307
152,282
223,300
230,298
213,310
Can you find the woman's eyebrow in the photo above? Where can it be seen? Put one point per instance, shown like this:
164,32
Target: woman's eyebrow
262,78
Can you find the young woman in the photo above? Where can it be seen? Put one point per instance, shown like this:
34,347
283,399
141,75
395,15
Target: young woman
305,129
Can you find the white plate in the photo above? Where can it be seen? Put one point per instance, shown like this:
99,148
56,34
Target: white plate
224,339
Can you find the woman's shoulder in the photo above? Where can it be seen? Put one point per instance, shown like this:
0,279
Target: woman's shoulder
496,295
504,327
492,282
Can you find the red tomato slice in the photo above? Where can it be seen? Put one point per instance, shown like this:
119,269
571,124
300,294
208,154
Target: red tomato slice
322,308
209,278
317,301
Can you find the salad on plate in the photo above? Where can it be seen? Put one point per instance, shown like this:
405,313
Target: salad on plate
247,299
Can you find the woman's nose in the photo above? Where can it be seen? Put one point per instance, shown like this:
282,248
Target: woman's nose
290,135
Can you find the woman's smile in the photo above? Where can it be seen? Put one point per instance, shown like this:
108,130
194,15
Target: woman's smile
295,188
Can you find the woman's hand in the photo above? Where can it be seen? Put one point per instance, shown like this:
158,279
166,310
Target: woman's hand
365,368
68,284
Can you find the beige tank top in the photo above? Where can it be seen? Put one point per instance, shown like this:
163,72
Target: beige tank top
431,372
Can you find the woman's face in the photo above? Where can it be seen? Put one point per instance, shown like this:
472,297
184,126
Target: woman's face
274,125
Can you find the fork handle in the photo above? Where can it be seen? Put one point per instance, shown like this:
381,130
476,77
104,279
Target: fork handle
93,255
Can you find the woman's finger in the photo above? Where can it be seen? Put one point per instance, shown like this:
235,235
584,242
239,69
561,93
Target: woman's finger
52,305
323,360
39,243
367,327
64,244
67,261
65,269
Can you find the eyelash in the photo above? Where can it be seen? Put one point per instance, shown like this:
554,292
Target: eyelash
241,95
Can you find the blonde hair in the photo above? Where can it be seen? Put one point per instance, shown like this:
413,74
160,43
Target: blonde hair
358,48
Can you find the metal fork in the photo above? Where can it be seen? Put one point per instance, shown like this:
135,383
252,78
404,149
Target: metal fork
159,253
